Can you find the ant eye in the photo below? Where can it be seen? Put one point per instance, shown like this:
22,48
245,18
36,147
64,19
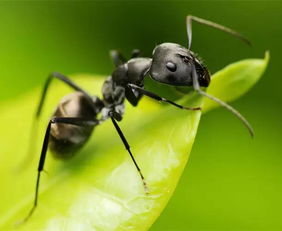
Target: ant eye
186,59
171,66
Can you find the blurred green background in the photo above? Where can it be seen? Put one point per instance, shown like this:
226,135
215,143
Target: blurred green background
231,182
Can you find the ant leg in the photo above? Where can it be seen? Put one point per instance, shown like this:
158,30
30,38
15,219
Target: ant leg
161,99
117,57
191,18
132,97
135,53
65,120
127,147
66,80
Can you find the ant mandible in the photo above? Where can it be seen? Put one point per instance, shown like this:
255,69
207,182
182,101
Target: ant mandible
77,114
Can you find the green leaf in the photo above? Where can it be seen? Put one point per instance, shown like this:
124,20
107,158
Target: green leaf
235,80
99,188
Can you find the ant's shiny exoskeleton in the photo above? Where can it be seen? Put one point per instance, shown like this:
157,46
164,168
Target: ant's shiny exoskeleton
77,114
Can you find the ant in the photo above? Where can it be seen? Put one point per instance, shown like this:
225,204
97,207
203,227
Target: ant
79,113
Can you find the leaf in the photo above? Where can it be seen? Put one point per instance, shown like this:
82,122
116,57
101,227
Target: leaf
99,188
235,80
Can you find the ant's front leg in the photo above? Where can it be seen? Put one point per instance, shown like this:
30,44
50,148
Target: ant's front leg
133,96
161,99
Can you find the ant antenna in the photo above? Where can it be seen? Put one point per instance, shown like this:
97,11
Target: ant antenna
197,88
191,18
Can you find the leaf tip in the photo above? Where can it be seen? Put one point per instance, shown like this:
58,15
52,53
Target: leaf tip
266,56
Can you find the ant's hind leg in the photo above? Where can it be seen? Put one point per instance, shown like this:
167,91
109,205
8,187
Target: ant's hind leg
64,79
65,120
135,53
117,57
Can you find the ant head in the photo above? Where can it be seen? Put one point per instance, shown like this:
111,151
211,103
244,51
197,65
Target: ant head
173,64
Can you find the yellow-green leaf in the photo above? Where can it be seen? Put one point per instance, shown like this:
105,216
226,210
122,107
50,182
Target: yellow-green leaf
99,188
235,80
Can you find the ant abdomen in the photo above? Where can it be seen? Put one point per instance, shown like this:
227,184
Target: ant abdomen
66,139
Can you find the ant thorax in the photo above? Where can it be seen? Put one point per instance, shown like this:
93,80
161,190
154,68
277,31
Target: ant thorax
113,98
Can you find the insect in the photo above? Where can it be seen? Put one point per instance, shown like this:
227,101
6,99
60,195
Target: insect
79,113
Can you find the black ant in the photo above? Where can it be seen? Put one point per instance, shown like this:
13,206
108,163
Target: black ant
77,114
